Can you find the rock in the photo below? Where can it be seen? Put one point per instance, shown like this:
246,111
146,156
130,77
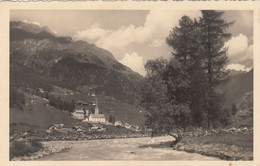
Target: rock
234,148
229,154
181,148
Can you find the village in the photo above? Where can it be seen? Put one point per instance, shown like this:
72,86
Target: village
85,112
89,123
89,112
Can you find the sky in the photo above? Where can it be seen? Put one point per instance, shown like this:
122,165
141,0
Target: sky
136,36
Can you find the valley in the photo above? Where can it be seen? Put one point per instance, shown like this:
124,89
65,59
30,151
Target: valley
50,74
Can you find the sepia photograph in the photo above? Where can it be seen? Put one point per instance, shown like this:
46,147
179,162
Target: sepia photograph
139,85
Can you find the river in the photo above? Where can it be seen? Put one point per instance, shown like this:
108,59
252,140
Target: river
145,148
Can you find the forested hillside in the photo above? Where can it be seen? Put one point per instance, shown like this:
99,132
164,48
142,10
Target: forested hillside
74,64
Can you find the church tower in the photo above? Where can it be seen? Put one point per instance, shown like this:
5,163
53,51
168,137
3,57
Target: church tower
96,109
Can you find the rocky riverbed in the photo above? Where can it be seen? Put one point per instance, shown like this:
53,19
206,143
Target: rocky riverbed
146,148
217,143
227,144
71,135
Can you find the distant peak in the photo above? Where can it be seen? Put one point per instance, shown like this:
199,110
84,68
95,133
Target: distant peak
32,27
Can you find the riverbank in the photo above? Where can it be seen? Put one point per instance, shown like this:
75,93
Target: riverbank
48,149
226,144
65,134
72,135
25,139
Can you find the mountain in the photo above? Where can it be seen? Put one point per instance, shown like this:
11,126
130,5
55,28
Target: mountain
60,60
236,72
236,86
238,91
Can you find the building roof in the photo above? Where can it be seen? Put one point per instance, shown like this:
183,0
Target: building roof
79,111
97,116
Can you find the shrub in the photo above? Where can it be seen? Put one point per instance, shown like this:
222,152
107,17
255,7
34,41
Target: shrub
23,148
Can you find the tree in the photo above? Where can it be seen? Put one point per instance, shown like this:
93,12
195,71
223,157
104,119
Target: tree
72,106
187,68
164,114
213,38
182,91
112,119
181,40
234,109
17,98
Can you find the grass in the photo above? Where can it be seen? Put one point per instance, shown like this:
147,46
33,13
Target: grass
23,148
122,111
241,140
38,116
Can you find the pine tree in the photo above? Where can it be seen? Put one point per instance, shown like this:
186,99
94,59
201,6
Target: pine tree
213,38
234,109
184,40
180,39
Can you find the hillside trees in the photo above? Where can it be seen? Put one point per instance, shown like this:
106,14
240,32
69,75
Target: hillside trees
17,99
58,103
182,91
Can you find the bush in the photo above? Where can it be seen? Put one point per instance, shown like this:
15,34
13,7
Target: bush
23,148
190,128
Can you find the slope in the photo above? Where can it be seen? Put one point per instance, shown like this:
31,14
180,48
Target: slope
237,86
76,64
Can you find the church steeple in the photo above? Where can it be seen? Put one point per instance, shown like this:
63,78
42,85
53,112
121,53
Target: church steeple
96,109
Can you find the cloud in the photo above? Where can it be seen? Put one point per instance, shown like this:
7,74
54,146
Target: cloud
156,28
134,62
93,34
238,67
249,52
55,32
156,43
237,44
239,52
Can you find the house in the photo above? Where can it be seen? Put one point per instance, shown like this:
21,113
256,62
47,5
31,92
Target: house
118,123
79,114
82,110
128,126
54,127
78,128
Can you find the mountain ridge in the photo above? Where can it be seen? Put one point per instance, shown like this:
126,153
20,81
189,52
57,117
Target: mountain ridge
39,49
237,86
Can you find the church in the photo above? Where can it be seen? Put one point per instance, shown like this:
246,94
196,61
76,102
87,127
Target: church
86,114
96,117
85,111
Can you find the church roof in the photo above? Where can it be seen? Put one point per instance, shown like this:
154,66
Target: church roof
97,116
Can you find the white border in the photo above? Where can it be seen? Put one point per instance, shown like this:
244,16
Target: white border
5,7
